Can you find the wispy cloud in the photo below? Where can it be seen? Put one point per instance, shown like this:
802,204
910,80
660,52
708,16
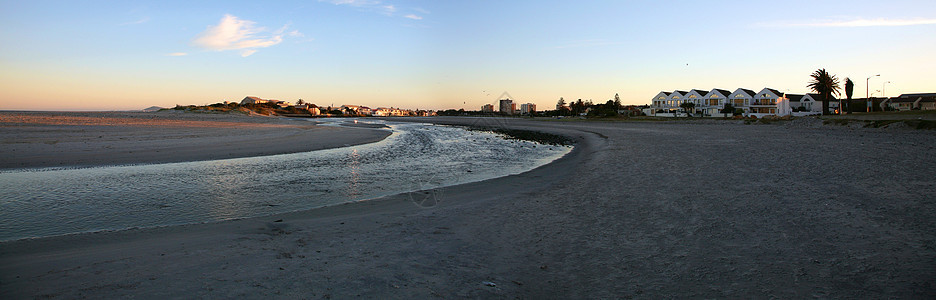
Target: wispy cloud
233,33
587,43
853,22
388,9
140,21
377,6
177,54
357,3
248,52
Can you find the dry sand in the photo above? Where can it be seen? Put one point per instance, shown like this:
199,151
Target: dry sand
645,210
45,139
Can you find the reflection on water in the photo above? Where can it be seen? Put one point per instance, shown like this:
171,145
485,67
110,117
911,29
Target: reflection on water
354,167
45,202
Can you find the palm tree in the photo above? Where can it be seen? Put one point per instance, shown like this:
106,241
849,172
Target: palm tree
826,85
849,91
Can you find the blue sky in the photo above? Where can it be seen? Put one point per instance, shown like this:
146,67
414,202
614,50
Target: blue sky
114,55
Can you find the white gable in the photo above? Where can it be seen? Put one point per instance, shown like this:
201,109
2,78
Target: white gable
740,93
694,94
675,95
715,94
766,93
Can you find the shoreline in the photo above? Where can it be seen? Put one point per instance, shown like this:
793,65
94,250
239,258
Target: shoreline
599,222
330,210
145,227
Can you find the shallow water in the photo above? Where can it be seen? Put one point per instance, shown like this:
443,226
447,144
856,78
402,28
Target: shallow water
48,202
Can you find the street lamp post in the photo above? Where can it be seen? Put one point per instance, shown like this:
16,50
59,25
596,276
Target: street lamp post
867,89
875,92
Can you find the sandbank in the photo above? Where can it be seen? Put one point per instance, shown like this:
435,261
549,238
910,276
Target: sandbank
655,210
80,139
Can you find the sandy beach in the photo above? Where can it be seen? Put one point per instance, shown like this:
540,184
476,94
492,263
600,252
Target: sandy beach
42,139
637,210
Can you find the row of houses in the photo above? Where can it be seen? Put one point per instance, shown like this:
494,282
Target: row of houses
770,101
767,101
344,109
381,111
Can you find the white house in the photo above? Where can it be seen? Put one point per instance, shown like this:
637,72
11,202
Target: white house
813,103
765,102
381,112
659,101
809,102
675,98
695,97
313,110
667,104
353,109
714,102
796,100
388,112
258,100
253,100
742,98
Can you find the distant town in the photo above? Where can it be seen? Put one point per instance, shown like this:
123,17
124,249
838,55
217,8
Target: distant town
505,107
741,102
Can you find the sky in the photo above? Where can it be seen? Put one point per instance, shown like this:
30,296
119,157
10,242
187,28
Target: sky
126,55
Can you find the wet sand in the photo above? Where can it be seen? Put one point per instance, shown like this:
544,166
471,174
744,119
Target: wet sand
649,210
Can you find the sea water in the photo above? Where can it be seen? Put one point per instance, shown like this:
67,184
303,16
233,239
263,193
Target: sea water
416,156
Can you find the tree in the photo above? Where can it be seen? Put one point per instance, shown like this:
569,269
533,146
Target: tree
577,107
687,107
826,85
560,104
617,101
849,91
728,109
300,102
